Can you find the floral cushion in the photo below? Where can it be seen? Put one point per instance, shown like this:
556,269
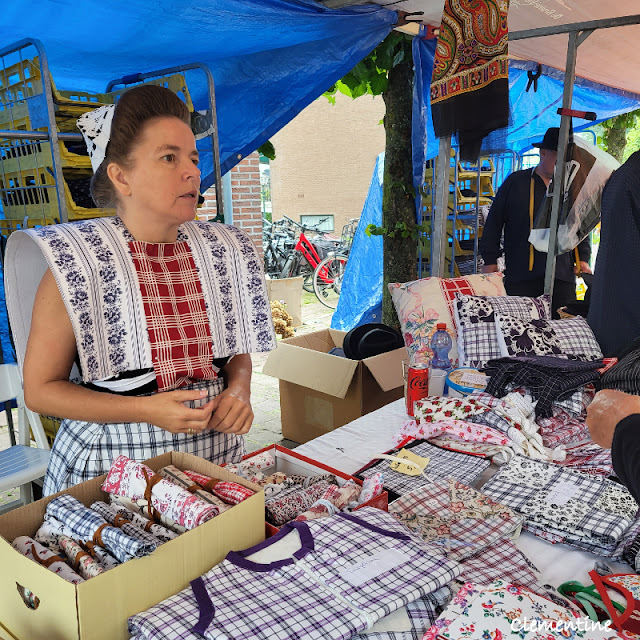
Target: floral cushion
475,323
570,338
422,304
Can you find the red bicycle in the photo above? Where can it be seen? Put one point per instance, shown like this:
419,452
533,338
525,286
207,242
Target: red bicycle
320,264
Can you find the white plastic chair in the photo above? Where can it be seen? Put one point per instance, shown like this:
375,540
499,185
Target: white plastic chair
21,464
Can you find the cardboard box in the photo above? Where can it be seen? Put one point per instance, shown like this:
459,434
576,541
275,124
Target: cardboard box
98,609
320,392
289,291
289,462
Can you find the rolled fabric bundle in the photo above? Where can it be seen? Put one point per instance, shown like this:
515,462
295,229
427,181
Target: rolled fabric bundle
371,487
289,505
156,530
334,499
101,555
49,534
173,474
33,550
253,468
84,524
118,520
80,560
142,507
230,492
136,481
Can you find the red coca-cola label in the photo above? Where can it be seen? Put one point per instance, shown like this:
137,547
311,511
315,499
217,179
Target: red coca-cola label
417,386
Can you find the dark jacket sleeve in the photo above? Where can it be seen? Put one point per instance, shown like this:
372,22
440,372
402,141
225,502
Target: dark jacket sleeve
584,249
625,453
490,242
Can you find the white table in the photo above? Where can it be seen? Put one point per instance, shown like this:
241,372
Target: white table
350,447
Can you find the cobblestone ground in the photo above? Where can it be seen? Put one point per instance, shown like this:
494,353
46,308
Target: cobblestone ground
265,395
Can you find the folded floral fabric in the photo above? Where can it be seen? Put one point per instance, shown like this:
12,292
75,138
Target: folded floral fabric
156,530
437,408
118,520
288,505
82,523
442,464
80,559
143,507
173,474
136,481
586,511
458,519
371,488
255,468
487,613
489,441
33,550
334,499
229,492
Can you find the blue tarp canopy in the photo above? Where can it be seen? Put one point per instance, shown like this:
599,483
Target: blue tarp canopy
269,58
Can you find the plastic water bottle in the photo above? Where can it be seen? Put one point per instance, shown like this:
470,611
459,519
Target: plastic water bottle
441,344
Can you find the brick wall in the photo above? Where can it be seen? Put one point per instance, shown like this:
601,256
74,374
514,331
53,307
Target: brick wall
245,198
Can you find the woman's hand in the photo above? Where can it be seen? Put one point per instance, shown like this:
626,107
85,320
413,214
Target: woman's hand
232,412
167,411
605,411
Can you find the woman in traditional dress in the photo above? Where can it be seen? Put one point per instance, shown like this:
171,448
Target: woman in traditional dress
158,311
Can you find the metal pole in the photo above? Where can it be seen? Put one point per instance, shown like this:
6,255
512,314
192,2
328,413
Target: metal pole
439,231
477,228
558,177
574,26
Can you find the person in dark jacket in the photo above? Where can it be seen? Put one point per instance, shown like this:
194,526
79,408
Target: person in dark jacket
613,419
614,312
513,210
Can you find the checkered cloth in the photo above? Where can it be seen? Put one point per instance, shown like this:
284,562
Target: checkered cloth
588,458
112,517
586,511
156,530
625,375
84,524
576,404
422,613
442,464
314,596
228,492
176,314
457,519
502,560
562,429
548,378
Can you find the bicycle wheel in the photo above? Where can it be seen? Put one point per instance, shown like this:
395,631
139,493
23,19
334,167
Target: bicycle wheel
327,280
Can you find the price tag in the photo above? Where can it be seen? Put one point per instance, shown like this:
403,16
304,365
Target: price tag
473,379
409,469
561,493
373,566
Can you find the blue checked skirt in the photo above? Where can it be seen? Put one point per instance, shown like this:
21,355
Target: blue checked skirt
85,450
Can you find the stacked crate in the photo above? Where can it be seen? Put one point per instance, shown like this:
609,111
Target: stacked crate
27,180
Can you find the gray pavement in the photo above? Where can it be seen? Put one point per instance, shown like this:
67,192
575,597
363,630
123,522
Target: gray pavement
265,394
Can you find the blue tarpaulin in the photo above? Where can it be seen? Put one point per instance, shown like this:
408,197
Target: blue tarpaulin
361,295
269,59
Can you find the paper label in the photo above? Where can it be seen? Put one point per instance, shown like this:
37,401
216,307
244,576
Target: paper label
409,470
561,493
473,379
372,567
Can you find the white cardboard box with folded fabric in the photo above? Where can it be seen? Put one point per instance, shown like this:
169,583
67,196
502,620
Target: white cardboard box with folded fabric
98,608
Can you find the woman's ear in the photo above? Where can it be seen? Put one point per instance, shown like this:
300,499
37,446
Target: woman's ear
117,176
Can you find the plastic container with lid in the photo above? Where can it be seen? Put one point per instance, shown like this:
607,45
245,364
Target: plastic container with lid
463,381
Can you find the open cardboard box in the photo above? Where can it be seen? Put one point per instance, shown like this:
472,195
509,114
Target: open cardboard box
320,392
98,609
289,462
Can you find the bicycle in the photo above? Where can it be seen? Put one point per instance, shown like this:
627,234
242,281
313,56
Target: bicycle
327,279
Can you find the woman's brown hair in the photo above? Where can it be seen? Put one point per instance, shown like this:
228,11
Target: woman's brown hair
133,110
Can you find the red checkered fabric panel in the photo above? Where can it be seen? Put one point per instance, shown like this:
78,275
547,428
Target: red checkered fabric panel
451,286
176,313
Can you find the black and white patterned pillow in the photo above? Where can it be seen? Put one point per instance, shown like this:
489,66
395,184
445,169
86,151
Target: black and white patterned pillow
526,338
475,323
570,338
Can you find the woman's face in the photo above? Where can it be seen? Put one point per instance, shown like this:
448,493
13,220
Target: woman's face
163,177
